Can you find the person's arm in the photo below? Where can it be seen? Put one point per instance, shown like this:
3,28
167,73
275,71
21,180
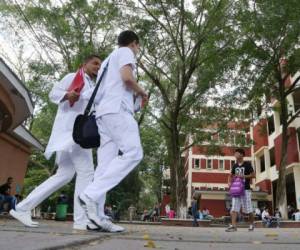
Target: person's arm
126,65
251,174
229,180
129,80
59,92
231,175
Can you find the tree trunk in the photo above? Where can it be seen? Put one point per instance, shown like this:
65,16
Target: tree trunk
281,199
178,182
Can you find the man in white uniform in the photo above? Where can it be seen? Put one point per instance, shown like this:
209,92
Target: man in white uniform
70,157
117,127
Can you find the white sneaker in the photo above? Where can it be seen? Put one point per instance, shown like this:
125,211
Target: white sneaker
107,226
32,221
23,217
86,227
90,207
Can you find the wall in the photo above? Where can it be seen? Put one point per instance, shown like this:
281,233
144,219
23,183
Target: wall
216,207
13,161
260,134
293,154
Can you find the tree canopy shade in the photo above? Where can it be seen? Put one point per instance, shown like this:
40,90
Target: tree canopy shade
270,34
187,48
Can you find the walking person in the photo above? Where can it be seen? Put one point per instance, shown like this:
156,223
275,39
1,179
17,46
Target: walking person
70,157
195,212
117,127
241,169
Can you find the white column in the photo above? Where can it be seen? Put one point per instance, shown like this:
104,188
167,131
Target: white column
267,162
190,170
296,170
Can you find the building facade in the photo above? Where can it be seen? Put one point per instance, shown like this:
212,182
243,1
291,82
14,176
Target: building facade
16,142
266,151
208,173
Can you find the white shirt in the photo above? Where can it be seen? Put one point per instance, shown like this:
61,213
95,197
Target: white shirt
265,215
297,216
257,211
113,93
167,209
61,136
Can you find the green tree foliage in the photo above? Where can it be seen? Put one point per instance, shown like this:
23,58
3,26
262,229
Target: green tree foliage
187,49
270,32
66,33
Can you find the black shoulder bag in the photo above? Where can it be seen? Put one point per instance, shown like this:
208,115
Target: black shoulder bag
85,130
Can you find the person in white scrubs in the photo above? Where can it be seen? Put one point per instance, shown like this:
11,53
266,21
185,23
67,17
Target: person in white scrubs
70,157
118,129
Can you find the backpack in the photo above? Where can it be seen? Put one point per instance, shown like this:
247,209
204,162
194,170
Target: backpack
237,187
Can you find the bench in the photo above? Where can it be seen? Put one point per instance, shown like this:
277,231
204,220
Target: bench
184,222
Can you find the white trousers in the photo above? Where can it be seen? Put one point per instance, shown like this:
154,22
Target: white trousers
79,161
118,132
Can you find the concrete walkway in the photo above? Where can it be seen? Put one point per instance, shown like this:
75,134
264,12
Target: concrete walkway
60,235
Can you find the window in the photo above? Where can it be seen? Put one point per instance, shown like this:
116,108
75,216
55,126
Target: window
271,126
196,163
221,164
262,164
272,156
209,164
296,97
240,139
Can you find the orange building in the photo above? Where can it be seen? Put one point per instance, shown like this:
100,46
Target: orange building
16,142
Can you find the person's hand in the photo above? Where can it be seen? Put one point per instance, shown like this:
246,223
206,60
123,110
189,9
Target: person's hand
144,96
72,96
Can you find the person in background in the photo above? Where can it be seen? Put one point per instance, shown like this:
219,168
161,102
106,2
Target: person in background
297,215
277,217
5,193
195,212
206,214
266,217
167,210
257,213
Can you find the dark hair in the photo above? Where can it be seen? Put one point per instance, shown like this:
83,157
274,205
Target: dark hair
90,57
9,178
241,151
126,37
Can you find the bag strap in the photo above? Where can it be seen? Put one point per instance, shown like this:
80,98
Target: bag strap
90,103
